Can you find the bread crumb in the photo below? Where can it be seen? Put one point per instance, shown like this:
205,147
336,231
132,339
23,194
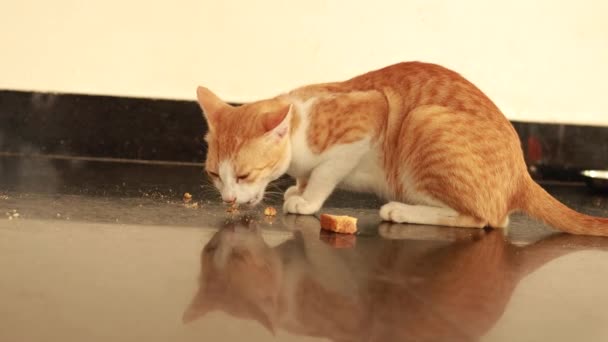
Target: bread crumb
13,214
191,205
270,211
339,224
187,198
233,208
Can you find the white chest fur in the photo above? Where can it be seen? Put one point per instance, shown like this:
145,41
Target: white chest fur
303,161
367,176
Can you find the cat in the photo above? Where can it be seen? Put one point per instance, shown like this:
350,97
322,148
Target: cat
380,290
416,134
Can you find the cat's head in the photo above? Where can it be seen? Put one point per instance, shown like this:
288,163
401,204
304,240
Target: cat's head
248,145
240,275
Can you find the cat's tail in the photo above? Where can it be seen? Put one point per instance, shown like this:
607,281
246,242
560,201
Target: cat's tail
540,205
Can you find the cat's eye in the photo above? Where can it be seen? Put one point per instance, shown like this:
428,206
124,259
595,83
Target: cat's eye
242,177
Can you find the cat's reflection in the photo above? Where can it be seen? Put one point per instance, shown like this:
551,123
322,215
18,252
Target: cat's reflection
379,290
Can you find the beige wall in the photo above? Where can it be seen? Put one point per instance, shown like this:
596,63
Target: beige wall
540,60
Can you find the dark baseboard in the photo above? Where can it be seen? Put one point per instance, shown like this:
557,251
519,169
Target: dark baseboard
101,126
166,130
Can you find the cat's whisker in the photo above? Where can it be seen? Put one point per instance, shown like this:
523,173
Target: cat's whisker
209,190
277,195
281,182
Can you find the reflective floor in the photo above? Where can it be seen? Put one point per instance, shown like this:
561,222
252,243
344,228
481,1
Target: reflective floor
93,251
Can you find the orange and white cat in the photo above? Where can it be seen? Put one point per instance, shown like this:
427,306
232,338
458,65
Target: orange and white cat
416,134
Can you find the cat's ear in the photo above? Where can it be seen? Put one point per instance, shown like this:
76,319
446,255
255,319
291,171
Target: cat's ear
197,309
277,123
210,104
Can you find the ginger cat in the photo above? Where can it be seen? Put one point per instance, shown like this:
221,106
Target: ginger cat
416,134
381,290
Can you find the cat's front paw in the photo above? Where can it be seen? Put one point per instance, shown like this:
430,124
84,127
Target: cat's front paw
298,205
292,191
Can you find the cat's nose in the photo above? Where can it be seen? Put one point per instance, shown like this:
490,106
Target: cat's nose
229,200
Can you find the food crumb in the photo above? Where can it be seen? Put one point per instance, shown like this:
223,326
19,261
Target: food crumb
13,214
270,211
191,205
187,201
233,208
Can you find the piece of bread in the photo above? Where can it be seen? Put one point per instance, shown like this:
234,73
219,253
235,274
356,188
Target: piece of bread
339,224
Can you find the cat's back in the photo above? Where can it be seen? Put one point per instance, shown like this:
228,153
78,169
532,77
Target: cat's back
412,84
396,73
420,84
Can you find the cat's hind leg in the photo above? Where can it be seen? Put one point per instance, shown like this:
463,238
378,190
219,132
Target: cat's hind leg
420,214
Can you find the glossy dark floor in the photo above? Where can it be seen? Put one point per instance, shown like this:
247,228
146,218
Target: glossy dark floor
99,251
